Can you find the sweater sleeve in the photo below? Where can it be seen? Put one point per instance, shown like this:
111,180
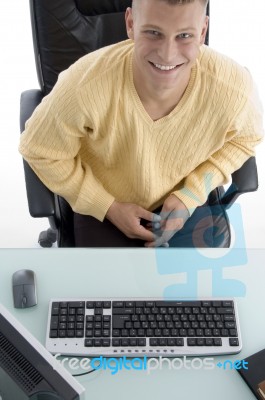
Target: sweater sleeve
245,132
51,145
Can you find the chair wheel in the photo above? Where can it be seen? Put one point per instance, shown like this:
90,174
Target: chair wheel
47,238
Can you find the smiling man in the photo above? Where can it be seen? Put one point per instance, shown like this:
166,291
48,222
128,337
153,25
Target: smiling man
167,41
135,135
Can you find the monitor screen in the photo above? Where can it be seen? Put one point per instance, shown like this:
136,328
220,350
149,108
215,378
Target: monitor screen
28,370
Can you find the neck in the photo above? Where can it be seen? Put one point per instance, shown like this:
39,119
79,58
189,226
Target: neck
159,102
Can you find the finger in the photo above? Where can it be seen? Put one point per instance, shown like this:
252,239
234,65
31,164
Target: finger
161,240
154,226
148,215
145,234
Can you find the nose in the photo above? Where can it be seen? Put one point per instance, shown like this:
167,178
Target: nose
168,51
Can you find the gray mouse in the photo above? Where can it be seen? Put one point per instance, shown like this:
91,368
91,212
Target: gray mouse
24,288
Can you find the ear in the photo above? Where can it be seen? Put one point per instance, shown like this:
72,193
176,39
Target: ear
129,23
204,30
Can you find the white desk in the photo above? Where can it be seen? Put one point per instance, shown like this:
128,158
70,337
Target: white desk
81,272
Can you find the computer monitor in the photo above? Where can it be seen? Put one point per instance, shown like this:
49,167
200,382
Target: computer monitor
28,370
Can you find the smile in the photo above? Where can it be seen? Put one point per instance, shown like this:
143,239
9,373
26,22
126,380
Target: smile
164,67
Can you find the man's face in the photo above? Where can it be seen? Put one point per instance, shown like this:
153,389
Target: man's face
167,39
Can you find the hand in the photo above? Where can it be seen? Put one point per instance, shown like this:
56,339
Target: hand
127,218
173,215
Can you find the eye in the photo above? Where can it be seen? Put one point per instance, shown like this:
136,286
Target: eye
185,36
153,33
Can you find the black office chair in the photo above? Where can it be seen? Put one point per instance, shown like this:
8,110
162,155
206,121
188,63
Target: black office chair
63,31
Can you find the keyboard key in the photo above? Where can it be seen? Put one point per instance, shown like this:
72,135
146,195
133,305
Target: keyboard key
117,304
54,322
229,318
118,321
76,304
217,304
233,342
163,341
217,342
227,304
139,304
55,308
179,342
206,303
225,310
230,325
153,342
149,304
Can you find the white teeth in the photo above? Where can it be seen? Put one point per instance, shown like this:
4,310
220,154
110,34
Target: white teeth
165,67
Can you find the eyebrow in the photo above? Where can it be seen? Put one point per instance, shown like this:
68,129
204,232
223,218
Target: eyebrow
155,27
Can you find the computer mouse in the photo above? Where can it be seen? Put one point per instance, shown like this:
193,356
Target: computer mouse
24,288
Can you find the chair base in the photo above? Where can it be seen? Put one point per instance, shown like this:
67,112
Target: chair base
47,238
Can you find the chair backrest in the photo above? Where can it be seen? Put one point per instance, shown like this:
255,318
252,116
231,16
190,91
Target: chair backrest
65,30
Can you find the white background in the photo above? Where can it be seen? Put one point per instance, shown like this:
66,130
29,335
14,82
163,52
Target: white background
237,28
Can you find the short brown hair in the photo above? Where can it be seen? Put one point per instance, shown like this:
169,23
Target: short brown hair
175,2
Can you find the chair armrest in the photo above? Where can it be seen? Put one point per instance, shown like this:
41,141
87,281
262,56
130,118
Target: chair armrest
41,200
29,100
244,180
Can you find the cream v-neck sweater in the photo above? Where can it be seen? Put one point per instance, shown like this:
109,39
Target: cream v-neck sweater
91,140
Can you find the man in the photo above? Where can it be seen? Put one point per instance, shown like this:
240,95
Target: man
158,120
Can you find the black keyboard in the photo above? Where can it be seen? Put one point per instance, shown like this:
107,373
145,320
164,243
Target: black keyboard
143,326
